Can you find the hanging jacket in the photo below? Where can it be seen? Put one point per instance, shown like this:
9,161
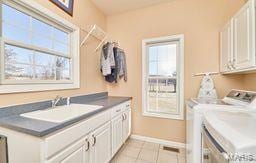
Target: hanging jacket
121,69
114,70
107,59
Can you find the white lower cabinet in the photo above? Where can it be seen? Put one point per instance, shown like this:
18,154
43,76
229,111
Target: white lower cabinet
117,133
101,144
94,140
95,148
100,151
126,124
77,153
121,129
77,156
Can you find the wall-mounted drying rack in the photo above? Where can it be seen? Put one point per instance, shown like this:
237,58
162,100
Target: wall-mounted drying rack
97,33
206,73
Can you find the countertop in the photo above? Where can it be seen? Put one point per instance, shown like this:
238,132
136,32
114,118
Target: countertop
43,128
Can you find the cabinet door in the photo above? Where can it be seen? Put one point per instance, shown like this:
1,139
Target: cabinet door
126,125
117,133
77,153
75,157
244,36
226,47
101,144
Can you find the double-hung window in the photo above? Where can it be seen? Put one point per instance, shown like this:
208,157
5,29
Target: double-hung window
38,49
162,87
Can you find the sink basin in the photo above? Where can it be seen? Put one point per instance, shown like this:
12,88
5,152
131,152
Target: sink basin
62,113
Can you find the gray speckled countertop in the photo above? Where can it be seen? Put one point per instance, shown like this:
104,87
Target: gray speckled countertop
43,128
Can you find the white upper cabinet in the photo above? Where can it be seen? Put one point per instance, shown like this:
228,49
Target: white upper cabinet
238,41
226,47
244,36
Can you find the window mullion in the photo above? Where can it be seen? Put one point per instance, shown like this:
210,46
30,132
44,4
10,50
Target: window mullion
55,67
157,94
1,18
52,38
34,65
35,48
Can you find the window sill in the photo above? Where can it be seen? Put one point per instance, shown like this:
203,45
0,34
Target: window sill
164,116
36,87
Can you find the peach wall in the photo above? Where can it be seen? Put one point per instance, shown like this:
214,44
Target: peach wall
249,80
85,13
200,21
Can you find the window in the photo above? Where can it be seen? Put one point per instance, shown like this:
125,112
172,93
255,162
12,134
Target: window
39,50
163,77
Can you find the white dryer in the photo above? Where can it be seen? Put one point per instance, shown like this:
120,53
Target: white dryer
194,118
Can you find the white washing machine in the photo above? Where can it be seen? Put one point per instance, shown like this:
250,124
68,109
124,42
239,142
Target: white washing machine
194,118
229,136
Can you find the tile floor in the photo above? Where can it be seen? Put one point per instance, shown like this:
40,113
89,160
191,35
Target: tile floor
135,151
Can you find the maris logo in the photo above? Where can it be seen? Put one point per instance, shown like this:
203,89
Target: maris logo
245,157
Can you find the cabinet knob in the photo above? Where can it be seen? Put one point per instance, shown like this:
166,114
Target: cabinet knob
94,140
87,144
229,65
123,117
233,64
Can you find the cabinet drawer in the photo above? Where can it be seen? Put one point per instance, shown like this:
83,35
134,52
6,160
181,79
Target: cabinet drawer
120,108
117,110
61,140
127,105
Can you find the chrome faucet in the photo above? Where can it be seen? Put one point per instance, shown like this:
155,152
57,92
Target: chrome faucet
55,101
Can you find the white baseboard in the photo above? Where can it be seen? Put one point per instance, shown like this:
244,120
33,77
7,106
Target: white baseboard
159,141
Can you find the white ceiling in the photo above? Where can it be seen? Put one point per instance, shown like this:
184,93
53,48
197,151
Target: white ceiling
111,7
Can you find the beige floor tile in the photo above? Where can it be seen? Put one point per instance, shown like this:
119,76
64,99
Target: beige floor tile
135,143
148,155
164,157
124,159
151,146
142,161
181,159
168,152
130,151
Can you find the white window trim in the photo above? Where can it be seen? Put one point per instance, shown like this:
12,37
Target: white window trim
75,38
180,77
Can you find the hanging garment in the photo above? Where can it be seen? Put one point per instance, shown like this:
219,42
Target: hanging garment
107,59
121,69
114,70
111,77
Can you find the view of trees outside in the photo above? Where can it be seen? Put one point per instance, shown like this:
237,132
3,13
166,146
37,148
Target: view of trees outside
162,79
45,69
25,64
